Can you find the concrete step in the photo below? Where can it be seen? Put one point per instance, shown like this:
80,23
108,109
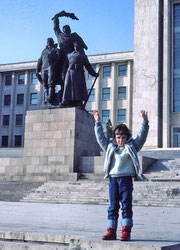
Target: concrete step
164,169
84,192
14,190
32,241
14,245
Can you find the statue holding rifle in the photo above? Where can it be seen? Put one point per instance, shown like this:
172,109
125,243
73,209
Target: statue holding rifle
75,91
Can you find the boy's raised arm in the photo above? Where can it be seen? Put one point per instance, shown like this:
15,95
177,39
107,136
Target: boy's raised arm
100,137
142,135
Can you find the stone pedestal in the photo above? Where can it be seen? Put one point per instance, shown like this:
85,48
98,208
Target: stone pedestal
55,139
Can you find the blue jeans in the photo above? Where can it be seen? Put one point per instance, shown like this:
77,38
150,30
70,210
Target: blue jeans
120,191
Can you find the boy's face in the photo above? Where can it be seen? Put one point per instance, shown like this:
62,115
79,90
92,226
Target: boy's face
121,140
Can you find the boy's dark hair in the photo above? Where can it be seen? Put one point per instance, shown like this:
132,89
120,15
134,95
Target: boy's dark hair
121,129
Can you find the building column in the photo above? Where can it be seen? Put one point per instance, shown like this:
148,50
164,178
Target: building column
27,81
129,94
1,89
98,88
26,94
12,109
166,78
113,94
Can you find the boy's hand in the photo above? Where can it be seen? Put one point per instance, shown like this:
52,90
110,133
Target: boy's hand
96,115
144,115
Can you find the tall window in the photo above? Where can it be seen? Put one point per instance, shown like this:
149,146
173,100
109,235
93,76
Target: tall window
176,62
92,95
33,98
34,79
21,78
106,93
19,120
176,137
8,79
18,141
106,71
7,100
20,99
105,115
121,115
6,120
122,70
4,142
121,92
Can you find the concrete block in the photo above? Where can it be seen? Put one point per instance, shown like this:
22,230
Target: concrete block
4,161
2,170
29,127
32,143
99,160
16,161
30,168
49,117
48,143
36,135
61,169
65,125
64,134
53,126
30,151
47,169
36,178
63,151
37,127
46,152
31,119
49,134
68,159
43,160
145,163
54,159
98,169
64,142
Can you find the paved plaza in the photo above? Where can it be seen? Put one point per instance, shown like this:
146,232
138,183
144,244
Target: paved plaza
153,226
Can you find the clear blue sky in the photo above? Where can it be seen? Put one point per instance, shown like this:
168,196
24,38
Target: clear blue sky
105,25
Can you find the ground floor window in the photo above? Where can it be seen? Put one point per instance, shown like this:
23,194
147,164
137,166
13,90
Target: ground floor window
121,115
176,137
18,141
4,142
105,115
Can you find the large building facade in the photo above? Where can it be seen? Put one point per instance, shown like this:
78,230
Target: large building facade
20,91
156,84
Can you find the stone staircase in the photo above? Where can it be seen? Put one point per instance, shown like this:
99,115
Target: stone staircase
164,170
146,193
15,190
161,188
82,191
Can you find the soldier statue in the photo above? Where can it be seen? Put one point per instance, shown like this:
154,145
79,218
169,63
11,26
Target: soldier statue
48,71
75,91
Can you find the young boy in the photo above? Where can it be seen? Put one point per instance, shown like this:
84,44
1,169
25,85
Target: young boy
121,164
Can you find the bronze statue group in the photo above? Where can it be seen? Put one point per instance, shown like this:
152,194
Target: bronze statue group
64,66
